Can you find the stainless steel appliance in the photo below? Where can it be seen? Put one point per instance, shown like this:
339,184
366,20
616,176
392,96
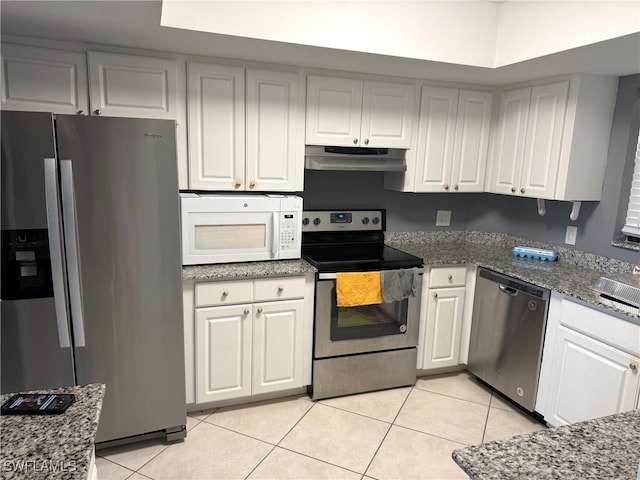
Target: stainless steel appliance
91,270
507,335
359,348
355,158
239,228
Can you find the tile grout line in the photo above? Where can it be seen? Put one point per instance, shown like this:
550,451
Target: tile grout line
486,421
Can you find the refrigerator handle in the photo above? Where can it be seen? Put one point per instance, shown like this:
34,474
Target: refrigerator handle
71,244
55,247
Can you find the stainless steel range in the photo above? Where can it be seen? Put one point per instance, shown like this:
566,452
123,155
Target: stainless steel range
363,347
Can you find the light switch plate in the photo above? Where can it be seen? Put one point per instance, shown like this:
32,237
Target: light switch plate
570,236
443,218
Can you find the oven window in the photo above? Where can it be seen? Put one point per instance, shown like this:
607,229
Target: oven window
230,237
367,321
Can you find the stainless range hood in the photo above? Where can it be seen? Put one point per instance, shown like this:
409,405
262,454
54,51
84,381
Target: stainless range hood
355,158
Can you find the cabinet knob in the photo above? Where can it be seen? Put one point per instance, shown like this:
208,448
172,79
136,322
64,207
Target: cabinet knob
355,141
97,111
435,295
522,190
633,367
252,184
366,141
455,187
237,184
280,289
259,310
513,189
225,294
446,186
80,112
246,311
450,277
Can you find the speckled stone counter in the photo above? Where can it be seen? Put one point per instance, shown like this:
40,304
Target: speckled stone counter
231,271
599,449
52,446
573,274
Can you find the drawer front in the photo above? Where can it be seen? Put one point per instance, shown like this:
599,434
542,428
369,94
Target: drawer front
448,277
223,293
279,288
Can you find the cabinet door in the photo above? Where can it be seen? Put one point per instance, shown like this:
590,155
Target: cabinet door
589,379
131,86
443,327
471,141
215,105
223,352
543,143
334,109
43,80
278,346
509,141
272,144
387,115
436,136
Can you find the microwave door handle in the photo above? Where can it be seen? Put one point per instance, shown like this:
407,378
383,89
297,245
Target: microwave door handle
71,243
275,242
57,253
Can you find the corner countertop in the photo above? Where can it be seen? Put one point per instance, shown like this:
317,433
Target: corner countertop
52,446
240,271
598,449
573,274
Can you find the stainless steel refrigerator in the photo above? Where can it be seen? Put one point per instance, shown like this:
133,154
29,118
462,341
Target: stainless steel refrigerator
91,269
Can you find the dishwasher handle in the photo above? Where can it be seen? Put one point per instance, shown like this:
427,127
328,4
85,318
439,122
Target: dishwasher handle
508,290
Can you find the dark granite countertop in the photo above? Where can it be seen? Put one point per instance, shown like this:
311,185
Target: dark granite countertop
573,274
52,446
598,449
235,271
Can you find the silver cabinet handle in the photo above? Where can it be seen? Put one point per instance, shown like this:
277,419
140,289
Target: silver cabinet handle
446,186
73,255
225,294
513,189
522,190
366,141
252,184
80,112
56,250
237,184
435,295
280,289
355,141
246,311
455,187
633,367
450,277
259,310
97,111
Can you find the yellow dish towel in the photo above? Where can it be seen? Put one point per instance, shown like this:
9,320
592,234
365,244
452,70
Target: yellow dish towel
358,288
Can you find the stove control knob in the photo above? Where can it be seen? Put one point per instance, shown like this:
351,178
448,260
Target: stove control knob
375,220
365,220
316,221
305,221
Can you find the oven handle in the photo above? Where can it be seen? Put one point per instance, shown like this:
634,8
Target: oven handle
332,276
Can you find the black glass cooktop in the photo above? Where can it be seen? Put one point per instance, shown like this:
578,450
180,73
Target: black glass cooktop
358,258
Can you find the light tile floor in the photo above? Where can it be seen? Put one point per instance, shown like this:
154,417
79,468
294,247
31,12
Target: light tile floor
404,433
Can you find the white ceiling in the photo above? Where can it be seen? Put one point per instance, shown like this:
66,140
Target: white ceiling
137,25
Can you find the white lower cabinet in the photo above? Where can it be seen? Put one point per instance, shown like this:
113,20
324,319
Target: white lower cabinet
590,364
250,337
446,317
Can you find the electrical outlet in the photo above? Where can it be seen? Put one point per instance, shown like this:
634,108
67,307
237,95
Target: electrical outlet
570,236
443,218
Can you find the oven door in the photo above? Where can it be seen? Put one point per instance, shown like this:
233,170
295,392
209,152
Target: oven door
367,328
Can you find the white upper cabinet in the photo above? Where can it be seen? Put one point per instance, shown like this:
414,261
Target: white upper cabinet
453,140
44,80
351,112
132,86
552,139
244,131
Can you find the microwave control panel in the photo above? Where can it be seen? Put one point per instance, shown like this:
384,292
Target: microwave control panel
289,231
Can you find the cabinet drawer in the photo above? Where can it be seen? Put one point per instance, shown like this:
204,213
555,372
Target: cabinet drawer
279,288
447,277
223,293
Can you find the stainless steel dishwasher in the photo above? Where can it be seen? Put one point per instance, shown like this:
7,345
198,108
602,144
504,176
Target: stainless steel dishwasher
507,334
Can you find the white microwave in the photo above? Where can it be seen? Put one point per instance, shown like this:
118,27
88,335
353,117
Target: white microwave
220,228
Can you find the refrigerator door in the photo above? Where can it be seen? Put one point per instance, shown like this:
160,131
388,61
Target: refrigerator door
34,325
121,175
